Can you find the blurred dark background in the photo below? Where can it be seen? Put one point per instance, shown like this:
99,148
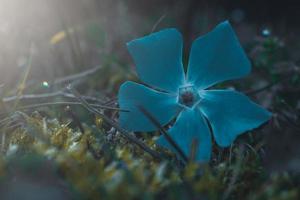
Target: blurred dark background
96,28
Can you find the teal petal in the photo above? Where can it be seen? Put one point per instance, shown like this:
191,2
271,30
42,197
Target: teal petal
190,125
231,113
216,57
162,106
158,59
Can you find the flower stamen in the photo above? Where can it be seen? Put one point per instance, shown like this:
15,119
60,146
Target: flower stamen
188,96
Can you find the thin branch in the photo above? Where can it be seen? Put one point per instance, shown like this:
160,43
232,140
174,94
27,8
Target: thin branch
70,78
31,96
110,101
158,22
63,103
77,76
164,132
5,120
47,96
266,87
68,103
256,91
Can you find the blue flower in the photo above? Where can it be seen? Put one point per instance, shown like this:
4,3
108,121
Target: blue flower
214,58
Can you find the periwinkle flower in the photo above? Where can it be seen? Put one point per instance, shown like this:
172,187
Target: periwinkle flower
214,58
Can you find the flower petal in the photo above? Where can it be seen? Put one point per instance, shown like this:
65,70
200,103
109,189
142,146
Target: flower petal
231,113
217,57
162,106
190,125
158,59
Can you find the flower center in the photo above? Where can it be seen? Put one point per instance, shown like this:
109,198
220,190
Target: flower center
188,96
